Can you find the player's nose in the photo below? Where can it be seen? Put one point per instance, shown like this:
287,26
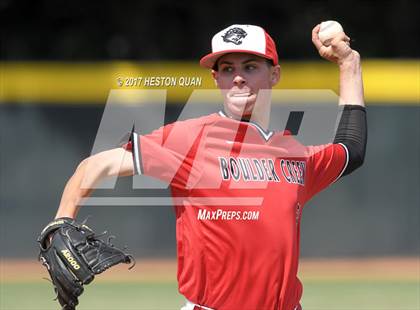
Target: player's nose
239,80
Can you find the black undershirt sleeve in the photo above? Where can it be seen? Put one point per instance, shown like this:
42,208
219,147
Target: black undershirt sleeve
352,132
131,141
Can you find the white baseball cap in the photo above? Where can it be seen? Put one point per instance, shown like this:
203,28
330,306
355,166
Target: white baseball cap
241,39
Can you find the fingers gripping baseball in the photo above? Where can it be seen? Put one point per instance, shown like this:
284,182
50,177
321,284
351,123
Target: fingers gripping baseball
336,50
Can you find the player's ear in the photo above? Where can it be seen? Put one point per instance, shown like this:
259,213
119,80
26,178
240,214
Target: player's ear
275,75
215,76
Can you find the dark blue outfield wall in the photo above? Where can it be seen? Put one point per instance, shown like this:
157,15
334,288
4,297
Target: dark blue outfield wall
375,211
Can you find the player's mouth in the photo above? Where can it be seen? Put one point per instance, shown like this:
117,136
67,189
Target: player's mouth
240,97
241,94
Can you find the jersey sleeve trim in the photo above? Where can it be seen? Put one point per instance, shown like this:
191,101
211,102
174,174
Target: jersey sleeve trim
136,154
345,164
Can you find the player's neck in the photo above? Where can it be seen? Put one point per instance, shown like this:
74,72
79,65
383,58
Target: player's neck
261,119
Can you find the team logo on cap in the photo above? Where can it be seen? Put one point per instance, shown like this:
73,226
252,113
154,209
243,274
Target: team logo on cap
234,35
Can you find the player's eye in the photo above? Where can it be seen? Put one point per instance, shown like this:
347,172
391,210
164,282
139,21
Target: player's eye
227,69
250,67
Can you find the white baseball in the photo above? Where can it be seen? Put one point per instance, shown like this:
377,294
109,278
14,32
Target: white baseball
328,30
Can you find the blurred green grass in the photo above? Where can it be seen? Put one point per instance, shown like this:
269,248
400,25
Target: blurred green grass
112,295
318,295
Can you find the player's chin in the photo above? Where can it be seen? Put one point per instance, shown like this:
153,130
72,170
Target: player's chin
240,107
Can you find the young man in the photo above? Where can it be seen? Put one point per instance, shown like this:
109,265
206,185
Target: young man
239,188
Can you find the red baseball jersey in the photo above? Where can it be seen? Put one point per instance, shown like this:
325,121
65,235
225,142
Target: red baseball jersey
238,193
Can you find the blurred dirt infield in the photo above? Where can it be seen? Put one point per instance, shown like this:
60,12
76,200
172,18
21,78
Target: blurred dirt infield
164,270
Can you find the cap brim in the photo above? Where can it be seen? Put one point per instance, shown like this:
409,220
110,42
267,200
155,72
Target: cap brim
210,60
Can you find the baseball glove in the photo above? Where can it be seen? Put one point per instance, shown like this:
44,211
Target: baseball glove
73,254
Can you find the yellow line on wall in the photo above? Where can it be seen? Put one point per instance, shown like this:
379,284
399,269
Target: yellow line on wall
386,81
